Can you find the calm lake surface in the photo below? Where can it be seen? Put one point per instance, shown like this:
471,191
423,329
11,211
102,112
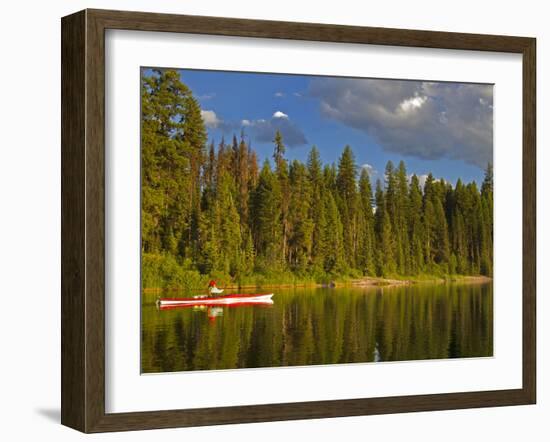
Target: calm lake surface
307,326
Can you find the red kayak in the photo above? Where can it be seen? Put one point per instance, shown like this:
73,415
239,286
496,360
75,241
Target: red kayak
253,298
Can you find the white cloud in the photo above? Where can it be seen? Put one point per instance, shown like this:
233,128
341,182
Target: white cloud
210,118
279,94
264,130
412,103
370,169
423,177
421,119
280,114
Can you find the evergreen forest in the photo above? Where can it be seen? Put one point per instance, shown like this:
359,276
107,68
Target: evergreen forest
213,211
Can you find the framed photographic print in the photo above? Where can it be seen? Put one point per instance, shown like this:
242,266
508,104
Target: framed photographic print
269,220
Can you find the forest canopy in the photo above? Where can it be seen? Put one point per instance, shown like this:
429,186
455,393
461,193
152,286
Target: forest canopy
212,211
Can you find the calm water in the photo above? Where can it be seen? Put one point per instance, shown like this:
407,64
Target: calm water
308,326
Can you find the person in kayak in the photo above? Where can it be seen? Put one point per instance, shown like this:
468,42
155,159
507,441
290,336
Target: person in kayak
213,288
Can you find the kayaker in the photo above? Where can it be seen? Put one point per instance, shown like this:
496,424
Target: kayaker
213,288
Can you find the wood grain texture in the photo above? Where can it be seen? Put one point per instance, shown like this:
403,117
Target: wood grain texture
144,21
73,130
529,220
95,222
83,220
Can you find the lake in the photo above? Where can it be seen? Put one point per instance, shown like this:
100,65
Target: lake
308,326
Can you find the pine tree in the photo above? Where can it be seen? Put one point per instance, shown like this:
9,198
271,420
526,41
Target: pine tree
416,227
210,257
401,222
210,169
300,223
441,236
487,222
230,239
474,227
430,235
279,151
459,232
346,185
486,239
317,209
172,135
249,254
391,208
281,170
384,239
266,216
222,160
243,181
253,171
194,135
366,223
334,263
234,158
487,186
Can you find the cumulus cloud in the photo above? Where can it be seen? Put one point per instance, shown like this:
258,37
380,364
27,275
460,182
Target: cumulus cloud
422,177
214,121
279,94
412,103
263,130
280,114
210,118
422,119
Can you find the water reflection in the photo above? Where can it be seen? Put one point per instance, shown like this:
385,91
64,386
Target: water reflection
322,326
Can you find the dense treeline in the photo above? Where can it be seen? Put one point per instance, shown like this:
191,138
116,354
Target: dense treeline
211,211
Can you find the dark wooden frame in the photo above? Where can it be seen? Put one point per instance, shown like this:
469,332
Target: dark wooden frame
83,216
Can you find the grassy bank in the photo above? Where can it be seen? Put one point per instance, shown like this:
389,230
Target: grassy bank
165,272
260,281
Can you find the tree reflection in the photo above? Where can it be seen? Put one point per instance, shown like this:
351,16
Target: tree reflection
323,326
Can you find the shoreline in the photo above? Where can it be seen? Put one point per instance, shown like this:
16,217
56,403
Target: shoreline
391,282
368,281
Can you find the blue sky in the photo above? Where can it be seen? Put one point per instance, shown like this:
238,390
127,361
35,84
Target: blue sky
443,128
